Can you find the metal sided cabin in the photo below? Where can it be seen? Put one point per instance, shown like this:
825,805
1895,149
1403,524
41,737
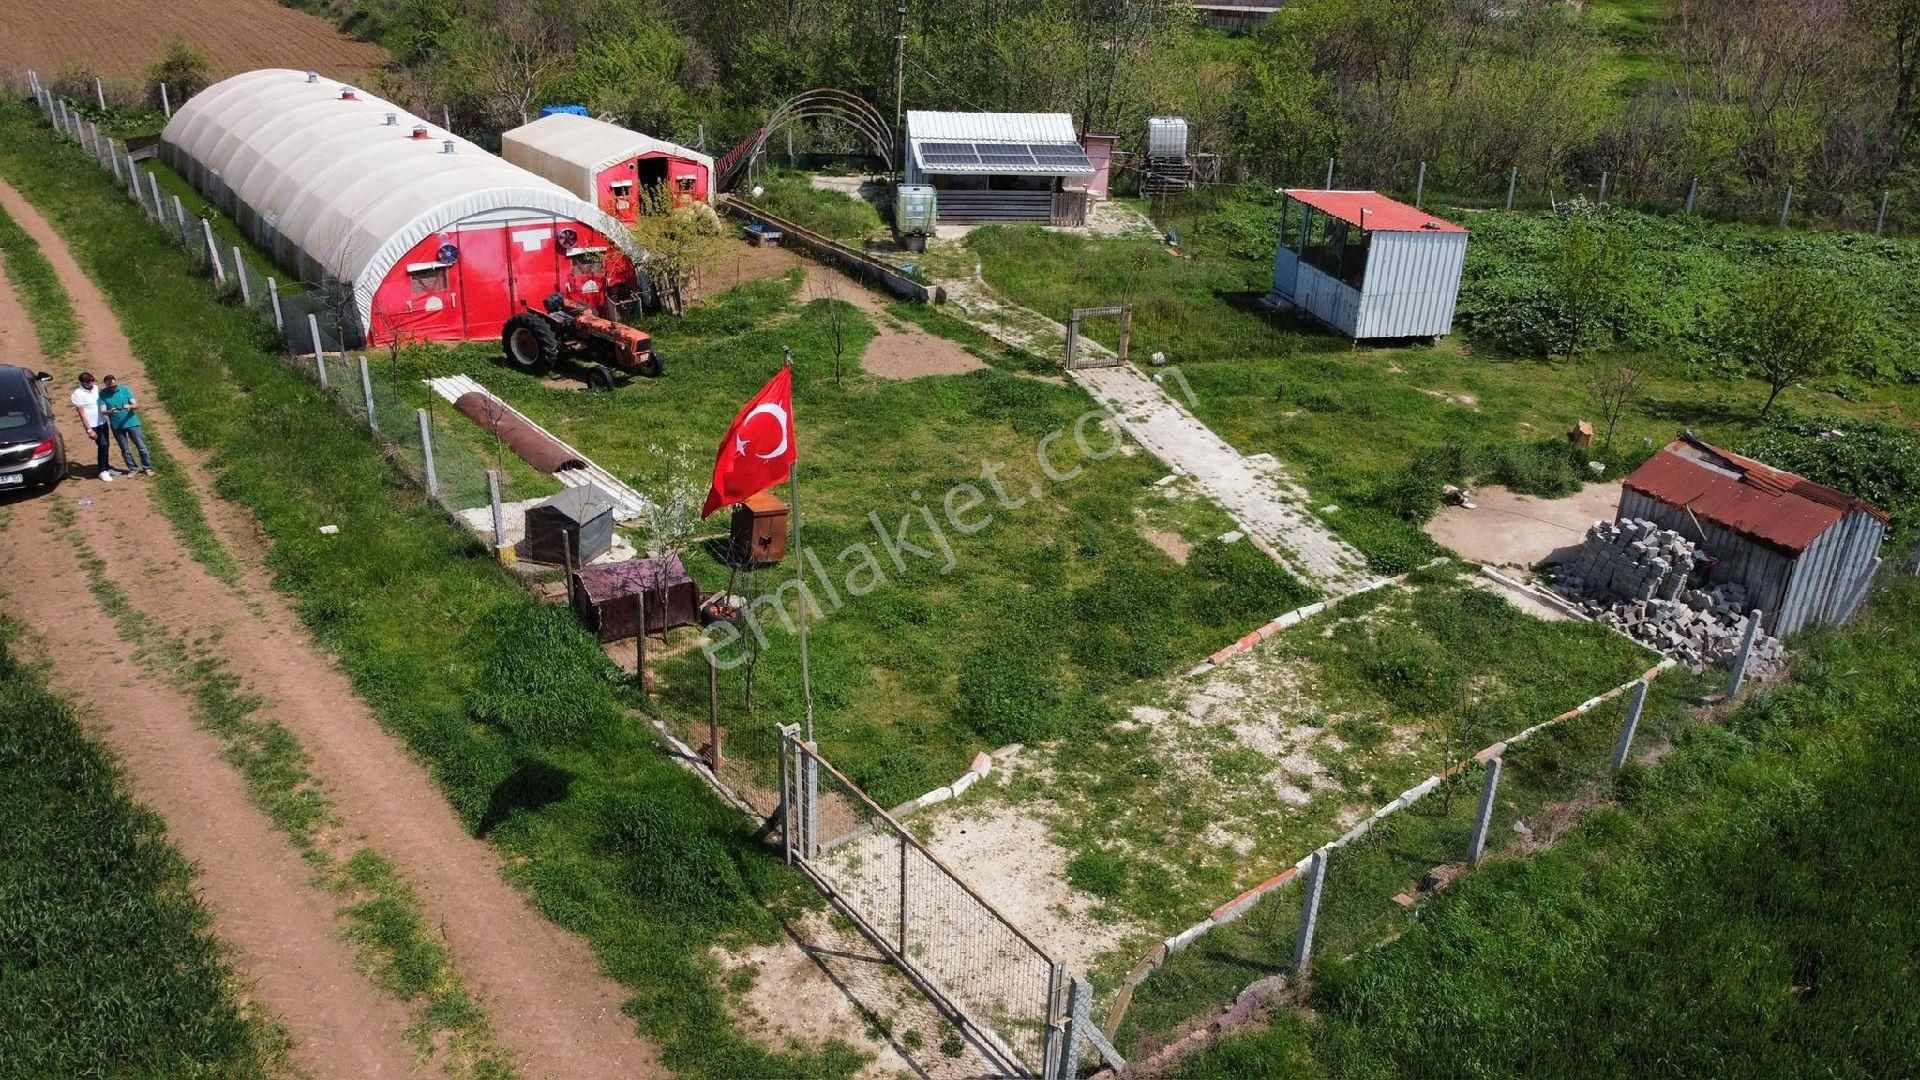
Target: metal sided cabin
1804,552
608,165
428,236
1000,166
1368,266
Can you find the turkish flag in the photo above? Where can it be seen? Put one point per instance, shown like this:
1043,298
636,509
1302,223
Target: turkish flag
758,451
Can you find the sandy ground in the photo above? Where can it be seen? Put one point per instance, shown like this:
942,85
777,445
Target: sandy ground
899,350
1506,529
120,41
546,1000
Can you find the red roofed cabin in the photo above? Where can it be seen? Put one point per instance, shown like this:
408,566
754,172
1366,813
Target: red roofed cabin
1366,265
1804,552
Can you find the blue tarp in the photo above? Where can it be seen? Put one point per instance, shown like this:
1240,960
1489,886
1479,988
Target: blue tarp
576,110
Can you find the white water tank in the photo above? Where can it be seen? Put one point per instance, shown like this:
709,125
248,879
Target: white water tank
914,209
1167,137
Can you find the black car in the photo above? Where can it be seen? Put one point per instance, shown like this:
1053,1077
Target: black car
32,453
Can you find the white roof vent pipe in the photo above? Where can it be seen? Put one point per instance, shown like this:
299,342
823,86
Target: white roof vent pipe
313,76
393,119
446,147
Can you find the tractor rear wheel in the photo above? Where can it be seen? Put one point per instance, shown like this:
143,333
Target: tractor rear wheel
530,343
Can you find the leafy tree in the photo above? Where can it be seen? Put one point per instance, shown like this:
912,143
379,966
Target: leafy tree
1590,282
184,70
1787,325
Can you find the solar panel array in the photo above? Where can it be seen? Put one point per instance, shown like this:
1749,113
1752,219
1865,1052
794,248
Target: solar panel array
991,156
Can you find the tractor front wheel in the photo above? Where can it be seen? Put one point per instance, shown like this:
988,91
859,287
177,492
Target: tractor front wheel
530,343
654,365
600,377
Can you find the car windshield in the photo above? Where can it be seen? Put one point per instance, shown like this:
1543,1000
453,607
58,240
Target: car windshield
18,408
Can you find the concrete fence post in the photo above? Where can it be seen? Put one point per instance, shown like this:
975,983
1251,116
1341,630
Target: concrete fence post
273,297
1513,181
789,780
320,367
313,336
213,253
493,499
701,142
1786,205
1746,652
789,148
1420,186
180,218
366,388
1693,189
166,103
1489,790
159,203
446,118
1625,745
426,451
1329,174
1310,911
92,132
1603,187
240,274
812,838
1079,1020
1880,220
99,93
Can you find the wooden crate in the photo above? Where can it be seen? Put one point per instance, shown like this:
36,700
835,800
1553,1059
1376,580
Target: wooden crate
759,535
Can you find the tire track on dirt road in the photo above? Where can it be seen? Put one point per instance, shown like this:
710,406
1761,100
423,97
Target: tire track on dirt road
545,997
279,927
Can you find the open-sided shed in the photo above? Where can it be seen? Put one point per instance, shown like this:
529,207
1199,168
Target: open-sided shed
1366,265
435,237
606,164
999,166
1804,552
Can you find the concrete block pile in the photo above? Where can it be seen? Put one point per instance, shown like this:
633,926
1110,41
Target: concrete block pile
1636,576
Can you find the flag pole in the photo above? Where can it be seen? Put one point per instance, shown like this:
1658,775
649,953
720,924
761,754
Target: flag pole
799,565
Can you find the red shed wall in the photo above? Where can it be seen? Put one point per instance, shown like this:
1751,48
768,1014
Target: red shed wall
502,266
677,169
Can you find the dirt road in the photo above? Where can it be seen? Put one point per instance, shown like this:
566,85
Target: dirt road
548,1004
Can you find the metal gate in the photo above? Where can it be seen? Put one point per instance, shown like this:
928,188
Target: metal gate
1075,348
988,978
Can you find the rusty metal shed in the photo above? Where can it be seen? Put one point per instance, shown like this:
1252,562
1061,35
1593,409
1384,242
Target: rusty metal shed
607,597
1804,552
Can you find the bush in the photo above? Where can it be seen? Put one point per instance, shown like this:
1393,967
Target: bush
544,682
184,70
674,852
1876,462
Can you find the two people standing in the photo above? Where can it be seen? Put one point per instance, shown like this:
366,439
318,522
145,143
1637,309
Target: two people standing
111,407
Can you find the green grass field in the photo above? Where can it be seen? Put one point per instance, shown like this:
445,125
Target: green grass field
110,967
1745,908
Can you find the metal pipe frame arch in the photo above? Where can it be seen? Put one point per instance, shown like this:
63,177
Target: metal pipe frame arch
828,104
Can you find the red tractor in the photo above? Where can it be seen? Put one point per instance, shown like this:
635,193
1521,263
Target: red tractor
535,339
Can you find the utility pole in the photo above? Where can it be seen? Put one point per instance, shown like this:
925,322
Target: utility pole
900,79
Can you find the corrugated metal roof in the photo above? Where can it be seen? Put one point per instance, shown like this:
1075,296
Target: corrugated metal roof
573,150
1381,213
1770,505
990,127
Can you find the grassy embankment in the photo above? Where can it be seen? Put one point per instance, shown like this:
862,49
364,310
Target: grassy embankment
1748,907
513,708
111,969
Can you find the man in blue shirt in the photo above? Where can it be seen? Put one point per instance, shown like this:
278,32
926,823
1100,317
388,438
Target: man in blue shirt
118,406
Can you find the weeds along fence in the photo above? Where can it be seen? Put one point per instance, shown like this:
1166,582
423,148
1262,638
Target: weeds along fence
1352,891
427,442
1017,1005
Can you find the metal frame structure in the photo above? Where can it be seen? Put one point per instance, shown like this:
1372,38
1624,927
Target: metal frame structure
1073,335
887,921
825,103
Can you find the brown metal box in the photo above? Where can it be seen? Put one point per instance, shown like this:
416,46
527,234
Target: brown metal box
759,531
607,597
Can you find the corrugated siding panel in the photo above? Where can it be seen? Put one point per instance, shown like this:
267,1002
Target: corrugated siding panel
1763,572
1332,302
1286,272
1413,280
990,127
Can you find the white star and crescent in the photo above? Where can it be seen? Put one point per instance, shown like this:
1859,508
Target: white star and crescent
740,442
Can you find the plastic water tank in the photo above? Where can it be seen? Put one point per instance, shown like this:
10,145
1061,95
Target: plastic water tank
914,209
1167,137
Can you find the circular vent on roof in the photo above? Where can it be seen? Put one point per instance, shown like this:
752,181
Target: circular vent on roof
447,255
569,238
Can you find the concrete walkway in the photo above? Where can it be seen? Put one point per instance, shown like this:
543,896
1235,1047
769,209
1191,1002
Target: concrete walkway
1267,503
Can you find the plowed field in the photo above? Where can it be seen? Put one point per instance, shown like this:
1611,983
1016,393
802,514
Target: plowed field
120,40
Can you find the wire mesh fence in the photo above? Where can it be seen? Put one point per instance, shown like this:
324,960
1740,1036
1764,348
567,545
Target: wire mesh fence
999,985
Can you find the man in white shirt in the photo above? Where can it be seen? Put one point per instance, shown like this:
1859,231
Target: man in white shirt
86,402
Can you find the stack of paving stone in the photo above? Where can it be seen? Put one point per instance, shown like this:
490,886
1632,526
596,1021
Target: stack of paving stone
1635,575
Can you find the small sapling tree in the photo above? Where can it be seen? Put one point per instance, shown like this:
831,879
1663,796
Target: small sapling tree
1787,325
1614,385
1590,282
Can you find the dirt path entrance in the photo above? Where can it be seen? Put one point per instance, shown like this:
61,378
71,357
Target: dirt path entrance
899,349
547,1002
